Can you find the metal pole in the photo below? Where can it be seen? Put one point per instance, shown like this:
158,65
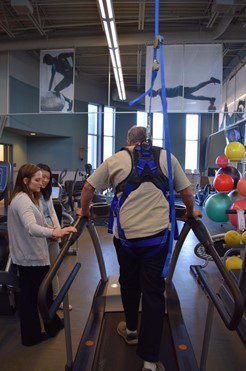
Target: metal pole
212,122
207,335
68,338
109,81
98,250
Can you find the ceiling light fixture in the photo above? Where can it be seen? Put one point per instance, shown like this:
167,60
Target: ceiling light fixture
108,21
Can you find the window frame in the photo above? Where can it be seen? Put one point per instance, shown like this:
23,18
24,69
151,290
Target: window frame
113,131
97,135
194,140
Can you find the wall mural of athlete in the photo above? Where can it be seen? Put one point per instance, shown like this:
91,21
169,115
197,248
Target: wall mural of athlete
61,65
187,92
236,116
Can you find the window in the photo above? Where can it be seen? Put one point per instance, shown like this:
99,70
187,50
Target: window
142,119
158,129
108,132
92,135
191,142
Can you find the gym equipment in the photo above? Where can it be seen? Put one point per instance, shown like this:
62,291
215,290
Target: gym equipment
101,348
216,206
8,279
235,151
232,238
234,196
238,205
223,183
244,238
233,262
238,276
241,187
51,102
222,161
232,171
202,194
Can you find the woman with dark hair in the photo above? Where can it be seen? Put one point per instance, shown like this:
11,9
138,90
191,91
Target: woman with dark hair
28,247
47,207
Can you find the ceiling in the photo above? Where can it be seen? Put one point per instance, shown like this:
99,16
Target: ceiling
74,23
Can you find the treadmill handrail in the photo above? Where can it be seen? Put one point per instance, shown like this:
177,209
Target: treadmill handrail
231,321
80,223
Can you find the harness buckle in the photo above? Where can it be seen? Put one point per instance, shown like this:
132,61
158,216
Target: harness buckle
156,65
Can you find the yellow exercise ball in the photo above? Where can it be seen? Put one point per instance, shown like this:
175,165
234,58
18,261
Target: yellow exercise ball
233,262
232,238
235,151
244,238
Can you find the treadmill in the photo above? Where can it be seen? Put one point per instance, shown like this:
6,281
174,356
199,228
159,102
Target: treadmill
101,348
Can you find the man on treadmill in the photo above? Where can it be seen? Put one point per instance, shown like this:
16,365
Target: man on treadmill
143,216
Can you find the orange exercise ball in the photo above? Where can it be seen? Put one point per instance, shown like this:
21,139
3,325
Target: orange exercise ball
241,187
223,183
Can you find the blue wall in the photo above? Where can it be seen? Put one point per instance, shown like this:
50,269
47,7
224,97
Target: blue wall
63,151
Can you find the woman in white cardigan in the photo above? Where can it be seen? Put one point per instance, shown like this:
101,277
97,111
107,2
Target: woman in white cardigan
28,233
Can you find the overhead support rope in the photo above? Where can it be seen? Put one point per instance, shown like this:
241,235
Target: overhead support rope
156,66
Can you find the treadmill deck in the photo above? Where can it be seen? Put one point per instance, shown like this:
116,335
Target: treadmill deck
113,354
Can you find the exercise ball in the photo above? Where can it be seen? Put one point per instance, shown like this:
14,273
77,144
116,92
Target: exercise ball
221,161
235,151
216,206
233,262
244,238
238,205
241,187
232,171
223,183
51,102
232,238
234,196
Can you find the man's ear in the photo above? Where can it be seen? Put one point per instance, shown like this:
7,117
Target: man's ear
25,181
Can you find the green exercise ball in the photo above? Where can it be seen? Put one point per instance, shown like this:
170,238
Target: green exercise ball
216,206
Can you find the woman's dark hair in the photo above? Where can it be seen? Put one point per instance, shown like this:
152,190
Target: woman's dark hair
47,191
25,171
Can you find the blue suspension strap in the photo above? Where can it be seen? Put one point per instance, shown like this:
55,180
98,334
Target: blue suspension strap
159,45
169,161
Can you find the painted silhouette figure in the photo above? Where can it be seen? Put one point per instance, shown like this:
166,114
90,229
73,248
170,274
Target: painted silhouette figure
187,92
228,119
60,64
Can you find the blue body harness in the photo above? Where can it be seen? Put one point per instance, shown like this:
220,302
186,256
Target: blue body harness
145,168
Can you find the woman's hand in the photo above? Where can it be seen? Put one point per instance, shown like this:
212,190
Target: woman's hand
58,232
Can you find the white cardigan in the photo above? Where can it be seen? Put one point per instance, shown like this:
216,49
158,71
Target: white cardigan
27,232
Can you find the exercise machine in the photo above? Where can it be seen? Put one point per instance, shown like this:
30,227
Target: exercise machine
100,347
9,285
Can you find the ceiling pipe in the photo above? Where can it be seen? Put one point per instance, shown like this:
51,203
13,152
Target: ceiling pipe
7,30
124,39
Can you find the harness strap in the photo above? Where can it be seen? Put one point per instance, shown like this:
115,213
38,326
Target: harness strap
157,244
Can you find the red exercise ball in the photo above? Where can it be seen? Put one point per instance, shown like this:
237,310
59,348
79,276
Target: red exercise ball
223,183
241,187
232,171
222,161
238,205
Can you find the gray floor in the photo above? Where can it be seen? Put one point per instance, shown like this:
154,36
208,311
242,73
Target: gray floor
226,350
